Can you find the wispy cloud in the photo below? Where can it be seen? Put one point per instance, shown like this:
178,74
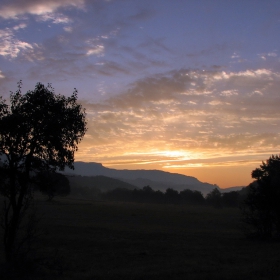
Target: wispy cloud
1,75
55,18
270,55
193,110
10,46
16,8
20,26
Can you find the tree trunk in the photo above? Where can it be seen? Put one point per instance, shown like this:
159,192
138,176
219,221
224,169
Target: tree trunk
11,227
13,213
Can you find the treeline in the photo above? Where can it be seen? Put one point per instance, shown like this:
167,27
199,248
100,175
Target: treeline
56,184
147,195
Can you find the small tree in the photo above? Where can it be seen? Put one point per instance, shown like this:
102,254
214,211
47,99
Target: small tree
214,198
192,197
52,184
172,196
231,199
39,131
261,208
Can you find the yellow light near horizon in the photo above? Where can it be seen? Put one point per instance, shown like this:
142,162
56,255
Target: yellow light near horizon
173,154
164,155
180,166
221,166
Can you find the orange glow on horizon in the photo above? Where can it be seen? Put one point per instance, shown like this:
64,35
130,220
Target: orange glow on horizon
229,170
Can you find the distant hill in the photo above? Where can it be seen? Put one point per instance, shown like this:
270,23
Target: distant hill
232,189
156,179
100,182
90,187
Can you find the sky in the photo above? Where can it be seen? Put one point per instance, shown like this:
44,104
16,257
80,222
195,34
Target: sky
184,86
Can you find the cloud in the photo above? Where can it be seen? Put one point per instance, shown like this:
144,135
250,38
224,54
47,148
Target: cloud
210,50
20,26
142,14
155,45
273,54
235,56
68,28
15,8
73,55
36,53
74,47
190,110
69,56
9,45
107,68
1,75
54,18
268,56
95,50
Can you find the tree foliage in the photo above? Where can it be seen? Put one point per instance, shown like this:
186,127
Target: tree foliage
231,199
214,198
52,184
192,197
261,208
40,131
186,197
148,195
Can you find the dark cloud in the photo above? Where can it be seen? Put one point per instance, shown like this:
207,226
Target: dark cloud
155,45
142,14
211,50
110,68
152,89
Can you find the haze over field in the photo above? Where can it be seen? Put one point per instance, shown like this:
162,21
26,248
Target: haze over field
190,87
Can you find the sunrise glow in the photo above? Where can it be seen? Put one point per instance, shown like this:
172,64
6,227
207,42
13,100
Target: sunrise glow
190,87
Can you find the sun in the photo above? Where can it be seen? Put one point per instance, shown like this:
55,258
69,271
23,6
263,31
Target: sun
179,154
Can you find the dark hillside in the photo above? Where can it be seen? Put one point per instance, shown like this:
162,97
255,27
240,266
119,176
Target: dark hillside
106,183
102,183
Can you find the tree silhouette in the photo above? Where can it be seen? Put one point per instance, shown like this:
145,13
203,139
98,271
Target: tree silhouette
214,198
261,207
172,196
52,184
192,197
231,199
39,131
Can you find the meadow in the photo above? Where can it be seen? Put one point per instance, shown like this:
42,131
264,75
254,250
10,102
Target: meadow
82,239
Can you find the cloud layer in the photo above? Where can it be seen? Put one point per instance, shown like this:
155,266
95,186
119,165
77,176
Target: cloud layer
198,113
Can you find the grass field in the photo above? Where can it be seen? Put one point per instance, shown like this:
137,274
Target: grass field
110,240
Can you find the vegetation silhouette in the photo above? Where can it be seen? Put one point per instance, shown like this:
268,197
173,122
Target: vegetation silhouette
191,197
185,197
214,198
261,208
40,132
52,184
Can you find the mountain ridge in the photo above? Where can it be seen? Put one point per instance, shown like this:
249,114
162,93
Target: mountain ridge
156,179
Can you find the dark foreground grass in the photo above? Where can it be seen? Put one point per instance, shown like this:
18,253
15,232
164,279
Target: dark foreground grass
105,240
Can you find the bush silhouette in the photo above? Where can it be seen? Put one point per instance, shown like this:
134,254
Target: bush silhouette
261,208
